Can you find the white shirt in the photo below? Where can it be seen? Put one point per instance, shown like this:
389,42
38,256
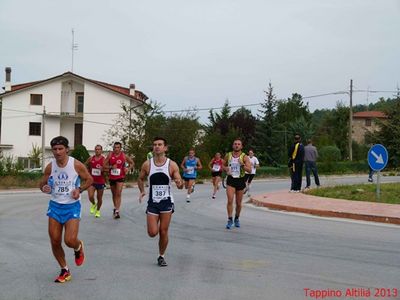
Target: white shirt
254,162
64,181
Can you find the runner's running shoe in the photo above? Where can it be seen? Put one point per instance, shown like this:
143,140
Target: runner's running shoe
229,224
97,214
237,223
93,208
79,256
65,275
116,214
161,261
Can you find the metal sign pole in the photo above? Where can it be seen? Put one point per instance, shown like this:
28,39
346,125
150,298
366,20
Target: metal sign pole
378,186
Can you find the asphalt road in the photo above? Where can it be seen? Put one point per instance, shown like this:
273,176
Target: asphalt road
274,255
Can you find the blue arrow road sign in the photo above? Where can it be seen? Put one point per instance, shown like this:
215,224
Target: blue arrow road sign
377,157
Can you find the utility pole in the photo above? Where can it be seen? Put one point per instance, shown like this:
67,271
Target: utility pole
351,122
43,136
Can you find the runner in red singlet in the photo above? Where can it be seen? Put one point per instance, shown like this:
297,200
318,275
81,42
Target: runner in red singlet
118,165
215,166
95,165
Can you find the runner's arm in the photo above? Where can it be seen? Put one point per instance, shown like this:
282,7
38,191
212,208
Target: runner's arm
183,167
144,171
43,182
225,166
175,175
199,165
106,165
210,164
87,163
84,174
131,163
247,164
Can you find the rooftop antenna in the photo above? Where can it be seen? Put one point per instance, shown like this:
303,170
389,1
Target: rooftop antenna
368,98
74,47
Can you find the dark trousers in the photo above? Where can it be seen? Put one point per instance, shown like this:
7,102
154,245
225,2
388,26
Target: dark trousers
311,166
296,176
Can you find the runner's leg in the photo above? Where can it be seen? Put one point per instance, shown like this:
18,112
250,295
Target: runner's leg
118,195
100,198
71,234
55,233
165,219
230,192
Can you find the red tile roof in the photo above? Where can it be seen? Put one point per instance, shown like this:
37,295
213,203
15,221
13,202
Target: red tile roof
119,89
370,114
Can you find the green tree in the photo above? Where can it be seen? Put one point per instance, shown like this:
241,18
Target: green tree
135,128
80,153
292,109
244,123
269,141
225,126
182,132
35,155
334,129
389,133
220,121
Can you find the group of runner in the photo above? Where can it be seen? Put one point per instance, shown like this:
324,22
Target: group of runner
116,165
62,180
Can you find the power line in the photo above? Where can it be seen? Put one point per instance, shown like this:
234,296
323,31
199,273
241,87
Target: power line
64,114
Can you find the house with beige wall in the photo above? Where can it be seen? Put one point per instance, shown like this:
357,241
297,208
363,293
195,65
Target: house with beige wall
68,104
365,121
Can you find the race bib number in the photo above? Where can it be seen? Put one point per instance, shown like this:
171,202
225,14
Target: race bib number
160,192
62,190
235,170
115,172
190,170
216,168
96,172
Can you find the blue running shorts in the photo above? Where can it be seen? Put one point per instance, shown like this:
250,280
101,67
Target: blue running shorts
62,213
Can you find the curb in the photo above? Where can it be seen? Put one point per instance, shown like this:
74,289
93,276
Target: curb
326,213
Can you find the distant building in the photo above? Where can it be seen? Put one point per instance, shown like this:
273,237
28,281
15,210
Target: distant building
365,121
78,108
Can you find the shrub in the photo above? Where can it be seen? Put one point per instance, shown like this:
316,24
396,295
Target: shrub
80,153
329,154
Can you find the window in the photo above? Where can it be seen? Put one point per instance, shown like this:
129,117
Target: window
28,163
36,99
367,122
79,103
35,128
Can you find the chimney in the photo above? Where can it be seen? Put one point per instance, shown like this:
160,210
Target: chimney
7,86
132,89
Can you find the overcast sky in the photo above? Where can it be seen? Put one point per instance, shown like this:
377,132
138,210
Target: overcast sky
185,53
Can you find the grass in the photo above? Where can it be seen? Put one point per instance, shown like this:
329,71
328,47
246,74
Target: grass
12,182
361,192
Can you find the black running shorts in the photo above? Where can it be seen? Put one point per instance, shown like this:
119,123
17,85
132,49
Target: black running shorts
238,183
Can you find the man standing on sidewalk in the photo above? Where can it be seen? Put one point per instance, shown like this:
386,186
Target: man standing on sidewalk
296,158
62,179
310,162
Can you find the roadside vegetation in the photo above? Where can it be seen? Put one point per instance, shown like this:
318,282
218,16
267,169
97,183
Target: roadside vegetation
269,132
361,192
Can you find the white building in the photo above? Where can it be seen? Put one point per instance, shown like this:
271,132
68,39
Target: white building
70,105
